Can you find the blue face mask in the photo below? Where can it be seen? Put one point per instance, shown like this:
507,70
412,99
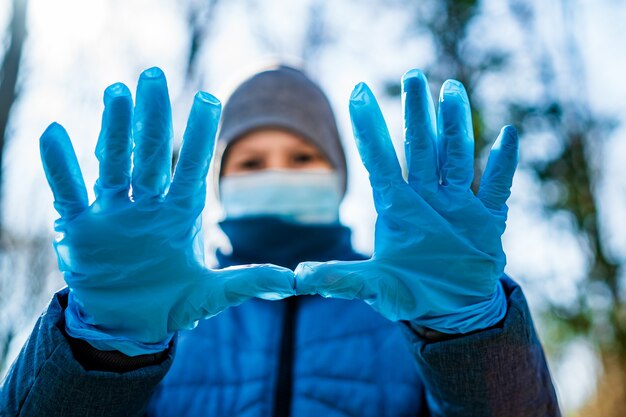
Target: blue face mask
304,197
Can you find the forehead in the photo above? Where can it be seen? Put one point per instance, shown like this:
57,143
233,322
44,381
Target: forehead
269,140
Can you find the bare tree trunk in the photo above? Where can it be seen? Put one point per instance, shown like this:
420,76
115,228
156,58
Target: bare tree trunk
9,74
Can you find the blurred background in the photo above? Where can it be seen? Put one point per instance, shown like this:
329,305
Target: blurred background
553,69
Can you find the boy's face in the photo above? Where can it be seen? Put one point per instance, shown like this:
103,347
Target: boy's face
270,149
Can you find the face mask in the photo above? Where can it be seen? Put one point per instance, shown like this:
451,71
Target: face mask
304,197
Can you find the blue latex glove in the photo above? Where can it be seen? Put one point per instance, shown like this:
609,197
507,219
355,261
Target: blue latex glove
135,265
438,254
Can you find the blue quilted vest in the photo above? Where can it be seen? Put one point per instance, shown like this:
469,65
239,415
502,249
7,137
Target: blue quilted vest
303,356
347,360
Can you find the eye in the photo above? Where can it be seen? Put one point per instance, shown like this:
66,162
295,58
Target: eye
301,158
250,164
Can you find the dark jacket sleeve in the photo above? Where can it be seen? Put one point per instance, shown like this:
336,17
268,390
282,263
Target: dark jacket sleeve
500,371
46,379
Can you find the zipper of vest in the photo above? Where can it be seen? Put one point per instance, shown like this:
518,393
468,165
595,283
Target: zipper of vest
284,386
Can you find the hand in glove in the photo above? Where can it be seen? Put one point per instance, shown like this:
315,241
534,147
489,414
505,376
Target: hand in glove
438,254
134,260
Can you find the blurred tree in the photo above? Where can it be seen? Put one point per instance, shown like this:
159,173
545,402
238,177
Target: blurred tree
9,71
315,36
9,91
599,312
201,17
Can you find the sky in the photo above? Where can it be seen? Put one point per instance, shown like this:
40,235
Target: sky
76,48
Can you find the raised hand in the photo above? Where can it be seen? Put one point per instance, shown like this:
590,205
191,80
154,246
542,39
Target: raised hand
438,254
134,259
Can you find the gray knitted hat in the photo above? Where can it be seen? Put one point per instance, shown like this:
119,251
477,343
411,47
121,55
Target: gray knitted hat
283,97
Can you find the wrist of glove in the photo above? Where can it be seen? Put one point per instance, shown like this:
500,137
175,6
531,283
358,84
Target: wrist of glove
77,327
92,359
468,319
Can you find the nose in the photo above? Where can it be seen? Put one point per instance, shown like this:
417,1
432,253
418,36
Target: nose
278,160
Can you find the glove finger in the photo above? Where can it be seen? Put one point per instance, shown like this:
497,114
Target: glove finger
115,142
456,137
495,185
152,133
335,279
217,290
63,172
389,296
189,184
373,140
420,132
266,281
